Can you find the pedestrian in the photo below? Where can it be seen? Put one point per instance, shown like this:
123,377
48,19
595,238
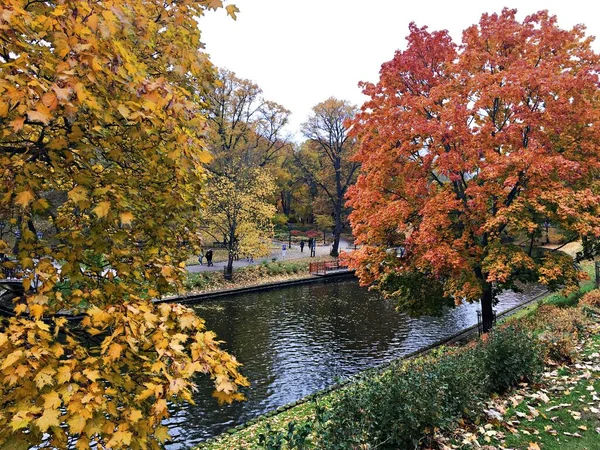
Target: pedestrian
301,245
200,257
209,256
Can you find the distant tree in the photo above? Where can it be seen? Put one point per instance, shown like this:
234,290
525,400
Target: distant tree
324,222
245,129
239,210
333,170
246,135
466,150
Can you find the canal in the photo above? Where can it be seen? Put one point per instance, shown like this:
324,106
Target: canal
297,340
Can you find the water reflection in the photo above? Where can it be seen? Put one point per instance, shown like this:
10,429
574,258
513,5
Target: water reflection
298,340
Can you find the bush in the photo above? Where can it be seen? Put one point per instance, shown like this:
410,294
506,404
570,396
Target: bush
591,298
402,406
562,320
558,330
510,354
558,347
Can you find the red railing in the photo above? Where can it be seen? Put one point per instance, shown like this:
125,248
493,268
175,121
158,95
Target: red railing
323,267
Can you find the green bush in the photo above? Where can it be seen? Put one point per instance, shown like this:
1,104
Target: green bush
401,407
509,354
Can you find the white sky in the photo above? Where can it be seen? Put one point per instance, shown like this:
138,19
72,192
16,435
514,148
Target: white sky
301,52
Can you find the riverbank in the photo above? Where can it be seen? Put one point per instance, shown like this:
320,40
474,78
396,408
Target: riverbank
267,274
305,411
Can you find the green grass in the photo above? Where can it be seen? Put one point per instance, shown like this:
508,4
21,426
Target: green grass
544,422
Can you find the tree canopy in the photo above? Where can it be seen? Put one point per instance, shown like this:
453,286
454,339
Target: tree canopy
102,136
466,149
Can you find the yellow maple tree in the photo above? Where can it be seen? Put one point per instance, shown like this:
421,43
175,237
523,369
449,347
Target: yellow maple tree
101,137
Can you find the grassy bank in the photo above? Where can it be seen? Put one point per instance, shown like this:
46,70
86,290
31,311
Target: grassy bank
248,276
299,427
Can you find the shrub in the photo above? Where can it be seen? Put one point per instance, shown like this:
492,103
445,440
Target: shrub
558,347
561,320
402,406
591,298
509,355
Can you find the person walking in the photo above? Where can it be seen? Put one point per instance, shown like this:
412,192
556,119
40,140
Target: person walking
301,245
209,256
200,257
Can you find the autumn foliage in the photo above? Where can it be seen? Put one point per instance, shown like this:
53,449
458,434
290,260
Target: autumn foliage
466,149
101,135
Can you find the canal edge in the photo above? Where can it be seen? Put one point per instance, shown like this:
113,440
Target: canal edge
200,297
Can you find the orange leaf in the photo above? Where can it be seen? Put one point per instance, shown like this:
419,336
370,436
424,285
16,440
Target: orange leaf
42,114
17,123
49,99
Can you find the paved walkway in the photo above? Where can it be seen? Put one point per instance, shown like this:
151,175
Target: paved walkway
290,254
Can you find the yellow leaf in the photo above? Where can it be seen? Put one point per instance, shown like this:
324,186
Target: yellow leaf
20,420
50,418
51,400
135,415
92,22
162,433
41,204
20,308
92,375
533,446
63,374
126,218
222,397
78,194
114,351
44,377
120,438
41,114
232,10
124,111
76,424
11,359
36,311
23,198
102,209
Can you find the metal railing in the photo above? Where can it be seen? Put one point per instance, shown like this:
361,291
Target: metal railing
323,267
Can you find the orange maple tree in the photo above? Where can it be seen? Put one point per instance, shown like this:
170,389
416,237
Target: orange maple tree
467,149
101,137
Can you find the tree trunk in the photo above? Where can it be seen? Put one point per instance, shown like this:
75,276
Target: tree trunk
487,313
337,230
229,269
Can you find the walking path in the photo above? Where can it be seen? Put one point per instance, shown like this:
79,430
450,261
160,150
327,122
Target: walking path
290,254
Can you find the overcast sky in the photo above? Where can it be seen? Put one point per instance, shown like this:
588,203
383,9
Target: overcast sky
301,52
